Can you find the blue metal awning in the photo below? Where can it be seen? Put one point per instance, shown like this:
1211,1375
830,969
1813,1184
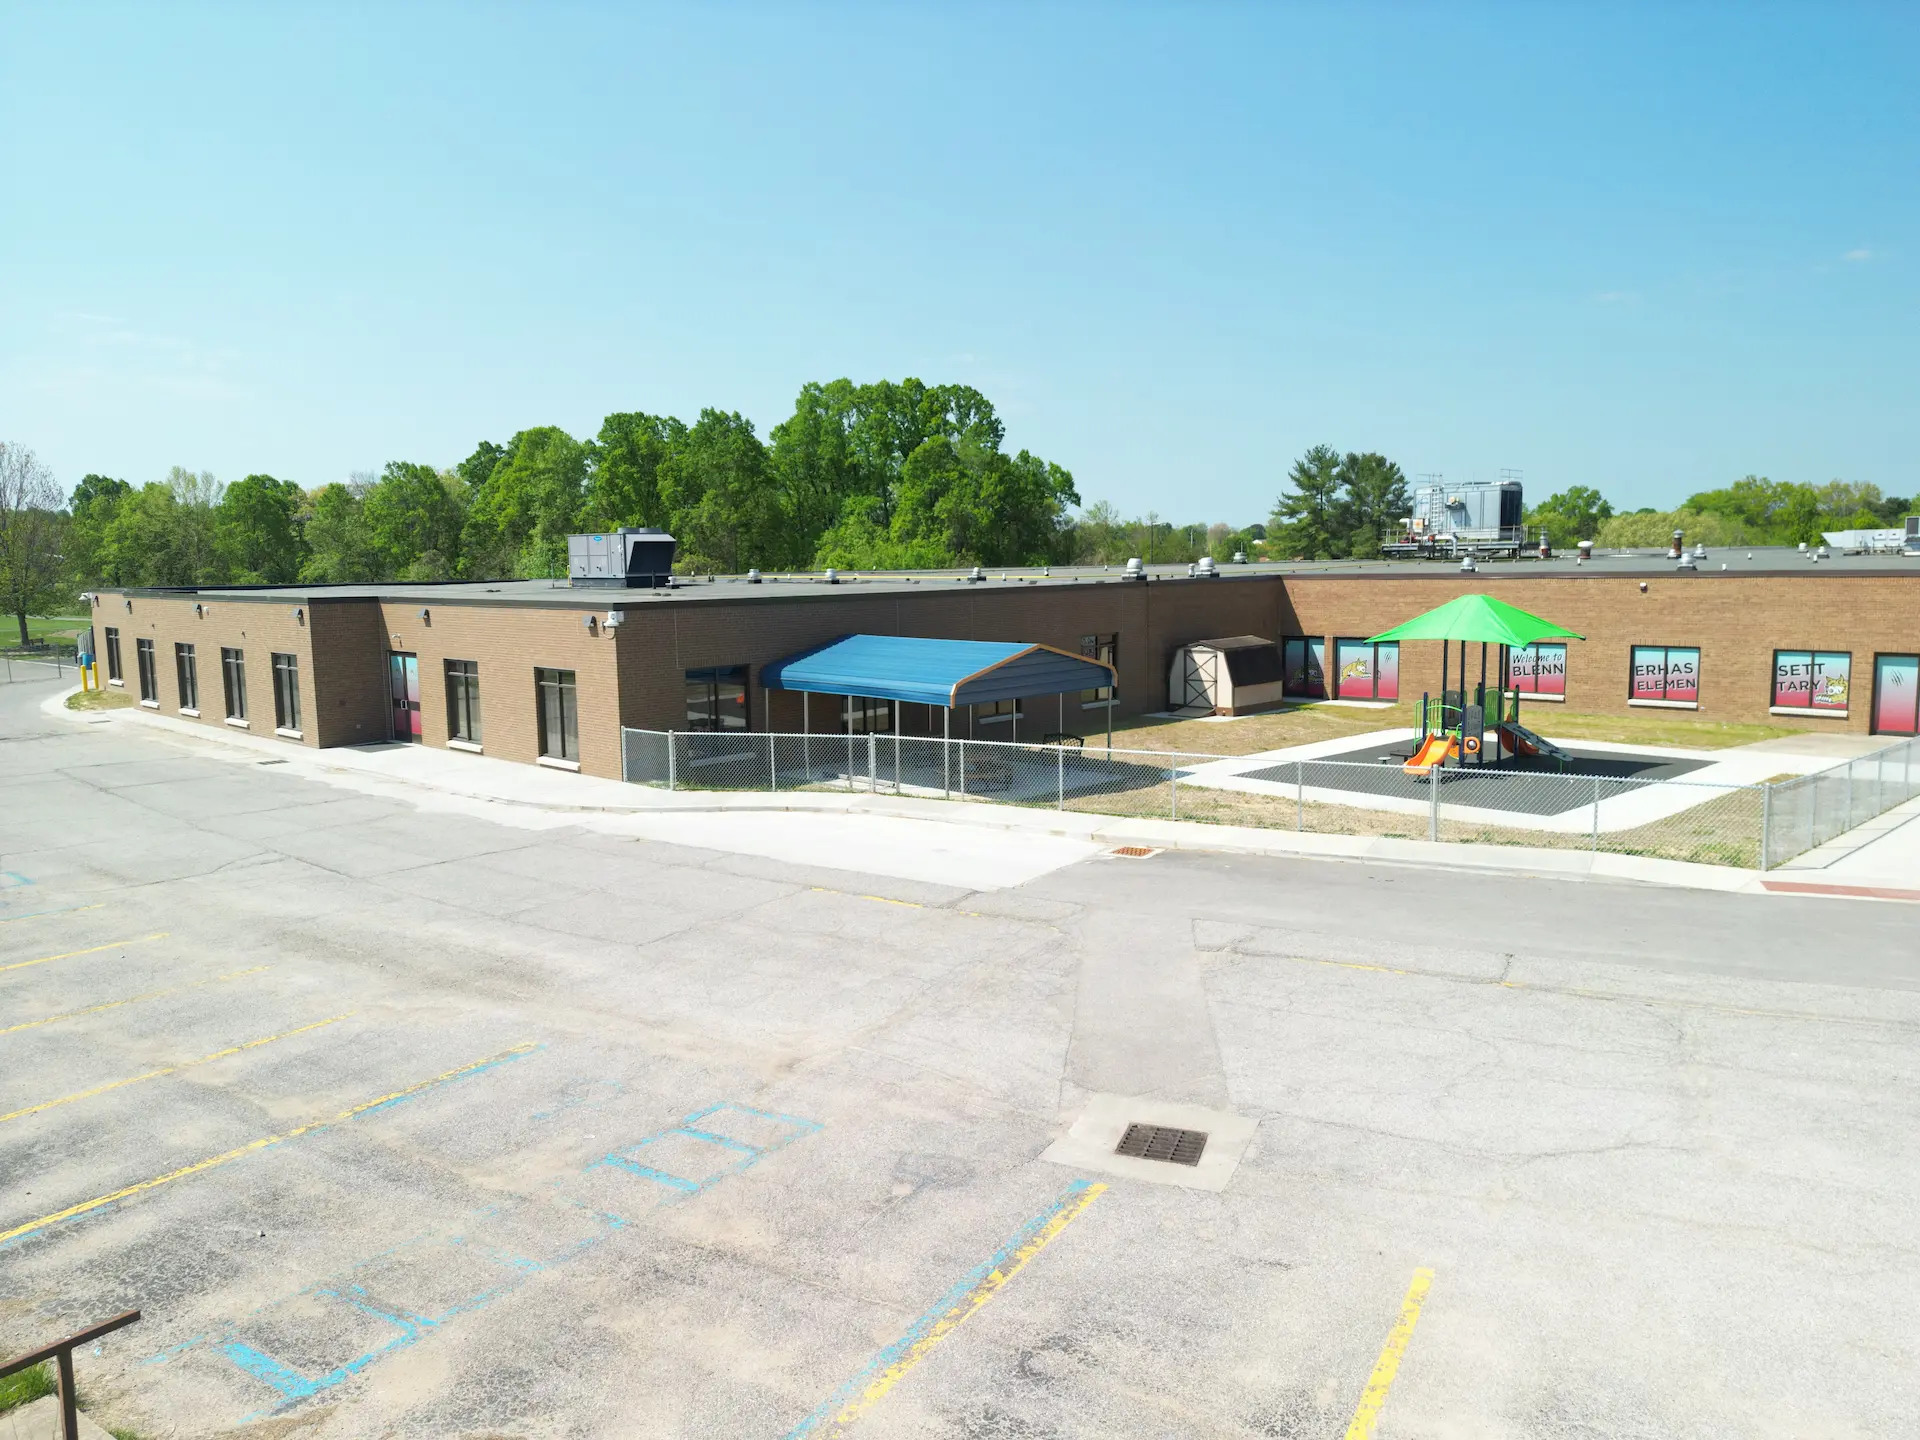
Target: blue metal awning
935,672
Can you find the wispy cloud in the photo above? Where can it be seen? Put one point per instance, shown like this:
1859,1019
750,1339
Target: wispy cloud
1857,257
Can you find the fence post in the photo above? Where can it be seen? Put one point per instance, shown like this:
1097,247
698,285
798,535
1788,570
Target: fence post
1299,795
670,760
773,763
1596,814
1433,803
873,782
1766,825
1062,758
1173,792
1813,806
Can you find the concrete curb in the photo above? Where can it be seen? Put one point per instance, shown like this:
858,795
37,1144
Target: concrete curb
491,781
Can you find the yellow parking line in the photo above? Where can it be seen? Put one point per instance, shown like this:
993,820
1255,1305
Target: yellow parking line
48,914
265,1142
1367,1413
91,950
171,1069
888,1368
131,999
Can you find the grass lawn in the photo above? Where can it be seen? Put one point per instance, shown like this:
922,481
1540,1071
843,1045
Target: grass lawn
1303,724
99,700
41,627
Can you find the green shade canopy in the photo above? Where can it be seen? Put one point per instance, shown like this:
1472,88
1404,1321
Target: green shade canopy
1478,617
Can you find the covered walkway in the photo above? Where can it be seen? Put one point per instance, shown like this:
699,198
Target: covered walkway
944,675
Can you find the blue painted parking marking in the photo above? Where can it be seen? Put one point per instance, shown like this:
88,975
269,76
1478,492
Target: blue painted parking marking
434,1254
790,1128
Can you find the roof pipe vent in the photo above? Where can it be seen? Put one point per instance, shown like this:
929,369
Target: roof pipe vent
1207,568
753,577
974,577
1135,570
1467,567
832,577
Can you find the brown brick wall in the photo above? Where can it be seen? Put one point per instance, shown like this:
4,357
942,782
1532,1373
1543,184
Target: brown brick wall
509,643
1737,621
256,628
662,640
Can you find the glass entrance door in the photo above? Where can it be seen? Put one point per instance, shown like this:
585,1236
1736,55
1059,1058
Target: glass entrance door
403,675
1896,694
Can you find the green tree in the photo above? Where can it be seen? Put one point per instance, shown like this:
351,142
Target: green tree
623,470
720,495
1309,523
340,544
522,511
259,530
1574,514
414,515
168,532
478,467
92,507
32,527
1375,499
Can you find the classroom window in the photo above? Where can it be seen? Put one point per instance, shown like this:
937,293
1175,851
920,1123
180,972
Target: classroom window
149,679
862,716
717,698
559,714
233,673
1104,648
1811,680
1538,670
463,701
1665,675
1303,667
991,712
113,653
286,691
186,674
1366,671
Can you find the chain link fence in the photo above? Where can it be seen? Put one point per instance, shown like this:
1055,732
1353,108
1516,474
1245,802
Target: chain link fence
1669,819
38,665
1806,812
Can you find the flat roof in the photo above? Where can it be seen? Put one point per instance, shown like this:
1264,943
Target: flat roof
1777,560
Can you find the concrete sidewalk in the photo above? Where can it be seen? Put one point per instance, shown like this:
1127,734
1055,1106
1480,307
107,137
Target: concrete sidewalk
534,797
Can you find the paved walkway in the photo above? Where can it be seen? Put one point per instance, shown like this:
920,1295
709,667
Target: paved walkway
533,797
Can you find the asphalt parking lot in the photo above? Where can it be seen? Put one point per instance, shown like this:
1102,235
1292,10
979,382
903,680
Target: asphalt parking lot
402,1122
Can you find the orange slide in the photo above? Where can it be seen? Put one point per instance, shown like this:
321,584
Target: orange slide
1434,750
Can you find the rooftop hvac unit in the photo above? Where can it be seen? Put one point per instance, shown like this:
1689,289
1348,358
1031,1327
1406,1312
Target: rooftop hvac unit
629,559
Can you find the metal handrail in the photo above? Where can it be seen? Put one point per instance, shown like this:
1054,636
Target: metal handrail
61,1352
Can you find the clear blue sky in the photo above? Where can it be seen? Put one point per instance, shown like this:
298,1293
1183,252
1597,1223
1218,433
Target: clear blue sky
1645,248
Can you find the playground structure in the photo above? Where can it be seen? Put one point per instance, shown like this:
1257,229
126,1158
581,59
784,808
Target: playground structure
1456,730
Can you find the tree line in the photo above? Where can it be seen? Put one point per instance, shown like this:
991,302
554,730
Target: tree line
883,475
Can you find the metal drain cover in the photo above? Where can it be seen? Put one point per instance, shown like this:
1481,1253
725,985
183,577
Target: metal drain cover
1162,1142
1135,852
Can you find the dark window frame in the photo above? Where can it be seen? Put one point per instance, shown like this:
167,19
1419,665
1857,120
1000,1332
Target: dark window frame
1302,645
286,690
1814,658
857,714
113,654
186,675
1666,664
1101,647
463,701
706,685
557,693
1373,660
233,680
149,669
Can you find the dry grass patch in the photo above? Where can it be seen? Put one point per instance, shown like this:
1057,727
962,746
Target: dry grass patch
99,700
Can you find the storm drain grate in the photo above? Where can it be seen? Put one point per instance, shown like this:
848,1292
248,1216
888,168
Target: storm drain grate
1162,1142
1136,852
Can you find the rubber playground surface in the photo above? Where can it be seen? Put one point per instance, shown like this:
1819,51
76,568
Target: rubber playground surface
1514,786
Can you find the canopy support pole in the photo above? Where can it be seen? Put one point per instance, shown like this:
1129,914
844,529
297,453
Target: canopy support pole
806,735
946,752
